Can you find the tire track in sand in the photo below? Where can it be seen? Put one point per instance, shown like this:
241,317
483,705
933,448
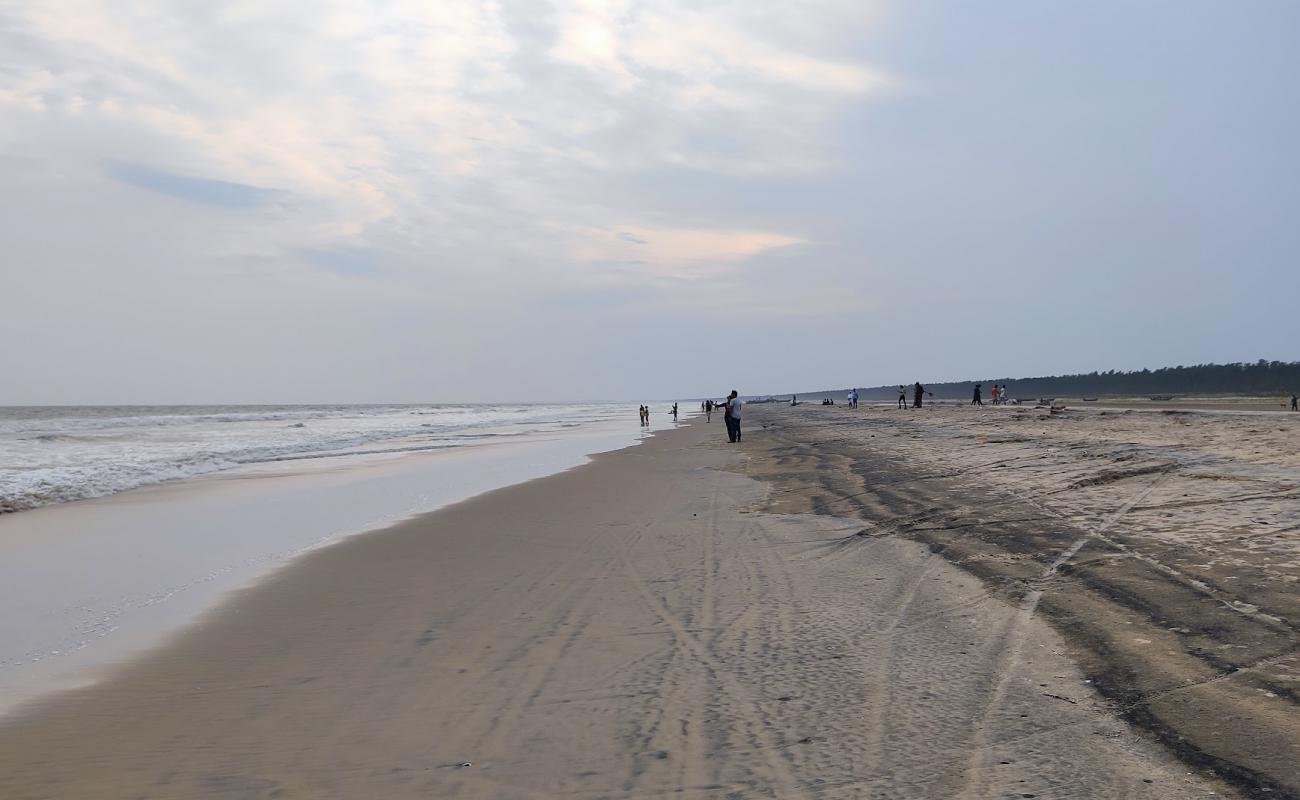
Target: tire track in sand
1017,631
749,713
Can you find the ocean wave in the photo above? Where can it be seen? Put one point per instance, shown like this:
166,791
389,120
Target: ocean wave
61,455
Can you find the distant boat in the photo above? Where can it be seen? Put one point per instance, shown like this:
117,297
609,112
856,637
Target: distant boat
1162,397
1089,399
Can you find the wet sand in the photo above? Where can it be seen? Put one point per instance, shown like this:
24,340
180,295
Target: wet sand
654,623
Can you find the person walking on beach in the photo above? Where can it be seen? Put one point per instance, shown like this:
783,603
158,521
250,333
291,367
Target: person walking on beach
1295,402
708,410
902,396
994,393
976,401
731,415
917,391
674,412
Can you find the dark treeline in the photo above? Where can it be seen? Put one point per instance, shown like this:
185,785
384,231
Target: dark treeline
1260,378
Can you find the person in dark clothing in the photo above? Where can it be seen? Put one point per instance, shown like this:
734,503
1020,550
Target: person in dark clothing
902,396
1295,402
708,410
976,400
674,412
917,391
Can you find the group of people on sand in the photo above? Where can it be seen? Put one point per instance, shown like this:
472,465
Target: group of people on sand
998,395
731,407
918,393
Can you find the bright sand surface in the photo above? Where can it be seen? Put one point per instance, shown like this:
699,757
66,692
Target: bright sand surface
85,585
650,624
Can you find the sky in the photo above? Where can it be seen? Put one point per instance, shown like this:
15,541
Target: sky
413,201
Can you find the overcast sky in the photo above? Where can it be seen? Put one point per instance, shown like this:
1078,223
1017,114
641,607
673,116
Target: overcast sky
443,201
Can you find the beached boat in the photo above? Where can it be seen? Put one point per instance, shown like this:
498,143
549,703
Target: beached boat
1089,399
1162,397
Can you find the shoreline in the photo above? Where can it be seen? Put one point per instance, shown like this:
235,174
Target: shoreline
632,627
91,583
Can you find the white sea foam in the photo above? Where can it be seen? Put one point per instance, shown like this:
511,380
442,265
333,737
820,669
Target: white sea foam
52,455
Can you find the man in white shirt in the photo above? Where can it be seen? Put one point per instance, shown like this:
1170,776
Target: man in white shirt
731,409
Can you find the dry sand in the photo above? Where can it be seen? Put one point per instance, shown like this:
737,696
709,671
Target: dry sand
1165,546
654,623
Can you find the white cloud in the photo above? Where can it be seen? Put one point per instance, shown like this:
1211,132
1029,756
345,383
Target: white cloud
428,129
676,253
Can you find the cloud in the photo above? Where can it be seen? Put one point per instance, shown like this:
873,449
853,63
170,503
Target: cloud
196,190
466,137
343,261
677,253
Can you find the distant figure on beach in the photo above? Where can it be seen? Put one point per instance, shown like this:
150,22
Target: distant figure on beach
731,409
708,410
902,396
674,412
917,391
976,400
994,394
1294,405
794,399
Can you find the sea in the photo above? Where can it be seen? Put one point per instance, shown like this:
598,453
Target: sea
57,454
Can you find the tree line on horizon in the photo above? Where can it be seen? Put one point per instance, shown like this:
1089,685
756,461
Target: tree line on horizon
1262,377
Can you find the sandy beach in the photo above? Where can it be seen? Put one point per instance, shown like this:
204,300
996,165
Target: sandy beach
657,622
1164,545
